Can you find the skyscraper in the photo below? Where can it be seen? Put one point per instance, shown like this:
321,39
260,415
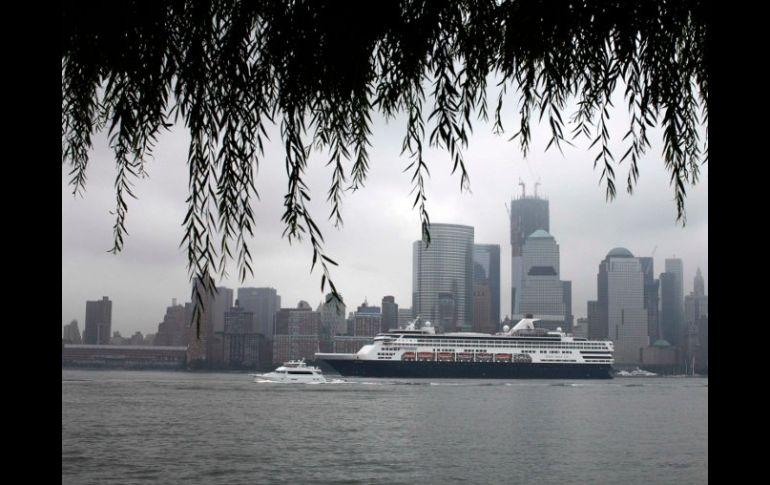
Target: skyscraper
669,328
696,309
541,291
597,328
527,215
98,322
404,316
71,333
389,313
568,316
296,333
205,338
651,298
675,295
240,343
220,304
482,304
621,311
486,273
699,287
263,303
175,328
333,322
675,266
696,304
442,277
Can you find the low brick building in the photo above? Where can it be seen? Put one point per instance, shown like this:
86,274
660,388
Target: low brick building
124,356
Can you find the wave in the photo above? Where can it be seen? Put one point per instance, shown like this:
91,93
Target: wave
329,381
635,373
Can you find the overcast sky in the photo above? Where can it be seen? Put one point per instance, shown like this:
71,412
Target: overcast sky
374,249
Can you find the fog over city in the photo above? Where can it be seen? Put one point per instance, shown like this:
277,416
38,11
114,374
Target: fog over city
374,247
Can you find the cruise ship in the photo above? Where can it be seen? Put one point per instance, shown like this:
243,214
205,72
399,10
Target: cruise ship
521,352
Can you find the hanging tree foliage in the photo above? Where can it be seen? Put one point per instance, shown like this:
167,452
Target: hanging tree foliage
319,69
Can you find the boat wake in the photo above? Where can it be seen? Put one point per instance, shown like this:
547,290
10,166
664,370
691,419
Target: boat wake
328,381
635,373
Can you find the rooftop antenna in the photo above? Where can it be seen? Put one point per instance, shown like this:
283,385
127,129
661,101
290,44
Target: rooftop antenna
523,188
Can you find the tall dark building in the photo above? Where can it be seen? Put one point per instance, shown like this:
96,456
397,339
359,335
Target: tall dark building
596,328
297,321
702,349
486,273
696,303
389,313
71,333
205,337
482,304
174,330
296,333
527,215
221,303
447,312
651,298
699,286
673,299
241,344
670,328
568,316
263,303
98,322
696,309
333,323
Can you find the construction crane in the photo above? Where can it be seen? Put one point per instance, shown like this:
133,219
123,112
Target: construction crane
536,184
653,250
523,188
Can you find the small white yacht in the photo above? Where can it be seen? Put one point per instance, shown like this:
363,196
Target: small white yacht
294,372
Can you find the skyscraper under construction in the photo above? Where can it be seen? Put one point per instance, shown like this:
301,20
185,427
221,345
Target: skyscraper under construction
528,214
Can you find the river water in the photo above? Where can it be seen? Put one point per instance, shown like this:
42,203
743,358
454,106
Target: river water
123,427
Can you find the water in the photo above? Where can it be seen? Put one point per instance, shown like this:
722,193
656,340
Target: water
121,427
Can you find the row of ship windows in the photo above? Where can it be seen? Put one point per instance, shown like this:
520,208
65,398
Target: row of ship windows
503,344
414,347
387,355
573,360
390,354
392,350
485,350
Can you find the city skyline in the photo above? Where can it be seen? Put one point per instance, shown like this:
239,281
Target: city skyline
374,246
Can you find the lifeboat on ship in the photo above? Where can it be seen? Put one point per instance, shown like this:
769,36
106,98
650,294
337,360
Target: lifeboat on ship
408,356
446,356
425,356
483,357
503,357
464,357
